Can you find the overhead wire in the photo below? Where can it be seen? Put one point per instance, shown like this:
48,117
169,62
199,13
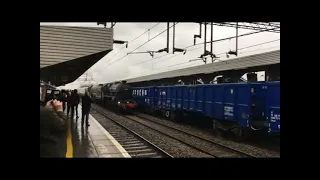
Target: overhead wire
223,39
134,40
238,49
142,45
228,38
214,41
217,54
226,59
153,37
190,62
144,32
218,61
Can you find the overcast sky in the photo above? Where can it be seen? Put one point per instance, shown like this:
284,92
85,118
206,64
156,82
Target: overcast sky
133,66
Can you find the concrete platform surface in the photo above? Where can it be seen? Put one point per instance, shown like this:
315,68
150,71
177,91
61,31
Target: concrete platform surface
93,141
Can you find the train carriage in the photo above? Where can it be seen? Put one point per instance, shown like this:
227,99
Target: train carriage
236,107
273,106
96,92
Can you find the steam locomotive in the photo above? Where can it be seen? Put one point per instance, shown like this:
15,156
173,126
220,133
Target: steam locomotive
116,95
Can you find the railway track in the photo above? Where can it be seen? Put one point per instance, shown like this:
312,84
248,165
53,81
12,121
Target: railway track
136,145
208,147
217,150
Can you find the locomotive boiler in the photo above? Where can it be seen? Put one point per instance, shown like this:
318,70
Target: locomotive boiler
117,95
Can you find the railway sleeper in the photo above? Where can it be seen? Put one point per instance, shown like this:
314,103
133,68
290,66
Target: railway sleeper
115,132
140,151
121,136
131,142
229,156
130,145
157,157
127,139
137,147
118,134
115,136
144,155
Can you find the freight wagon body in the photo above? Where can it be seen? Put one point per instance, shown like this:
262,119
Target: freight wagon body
273,106
236,107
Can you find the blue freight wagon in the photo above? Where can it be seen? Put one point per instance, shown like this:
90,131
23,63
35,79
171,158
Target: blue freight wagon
146,97
273,106
235,107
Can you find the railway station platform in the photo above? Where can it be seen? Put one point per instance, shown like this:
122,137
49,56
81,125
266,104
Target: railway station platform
92,142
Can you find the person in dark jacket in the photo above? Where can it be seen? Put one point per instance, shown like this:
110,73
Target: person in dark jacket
75,99
63,98
53,130
68,102
86,106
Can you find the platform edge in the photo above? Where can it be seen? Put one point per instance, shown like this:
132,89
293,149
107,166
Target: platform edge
116,143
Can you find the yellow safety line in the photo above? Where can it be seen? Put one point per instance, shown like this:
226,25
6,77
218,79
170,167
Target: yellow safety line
69,153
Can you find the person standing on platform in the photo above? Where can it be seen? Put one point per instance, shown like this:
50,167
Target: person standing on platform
75,99
86,106
53,129
63,98
68,102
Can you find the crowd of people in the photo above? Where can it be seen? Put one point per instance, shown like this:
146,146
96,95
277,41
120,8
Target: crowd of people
54,121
